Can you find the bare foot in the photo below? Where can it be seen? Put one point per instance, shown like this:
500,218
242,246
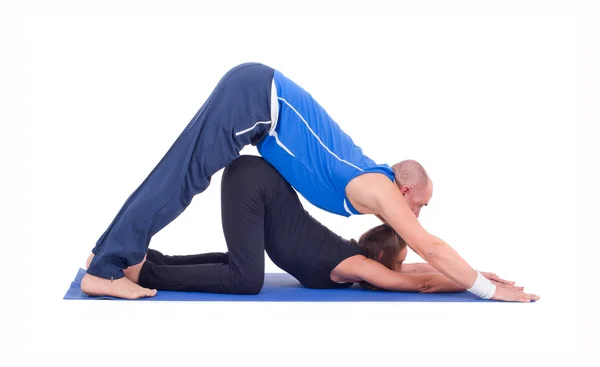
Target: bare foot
89,261
133,272
120,288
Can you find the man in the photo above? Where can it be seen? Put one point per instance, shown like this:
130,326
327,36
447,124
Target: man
255,104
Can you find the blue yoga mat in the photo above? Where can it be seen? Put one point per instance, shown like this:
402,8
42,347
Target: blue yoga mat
282,287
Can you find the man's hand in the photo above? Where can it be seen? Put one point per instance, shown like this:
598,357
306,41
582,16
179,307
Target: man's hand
509,286
494,277
513,294
503,285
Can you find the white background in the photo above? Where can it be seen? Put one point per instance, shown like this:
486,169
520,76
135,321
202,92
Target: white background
491,100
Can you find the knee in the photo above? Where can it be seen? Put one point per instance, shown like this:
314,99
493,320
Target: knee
245,164
251,285
250,168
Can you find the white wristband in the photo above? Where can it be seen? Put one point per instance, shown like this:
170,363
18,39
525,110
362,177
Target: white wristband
482,287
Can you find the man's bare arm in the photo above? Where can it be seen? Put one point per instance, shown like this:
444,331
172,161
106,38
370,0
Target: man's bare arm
418,268
376,194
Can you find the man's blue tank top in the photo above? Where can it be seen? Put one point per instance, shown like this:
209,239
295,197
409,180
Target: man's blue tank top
311,151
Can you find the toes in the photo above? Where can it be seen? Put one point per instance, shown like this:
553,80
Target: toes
150,292
145,293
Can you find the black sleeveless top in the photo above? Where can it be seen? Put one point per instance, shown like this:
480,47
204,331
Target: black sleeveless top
302,246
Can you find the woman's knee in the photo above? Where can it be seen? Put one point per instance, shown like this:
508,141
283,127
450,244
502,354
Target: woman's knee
250,285
250,170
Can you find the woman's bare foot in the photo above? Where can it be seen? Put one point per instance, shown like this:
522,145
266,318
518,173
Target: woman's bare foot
133,272
120,288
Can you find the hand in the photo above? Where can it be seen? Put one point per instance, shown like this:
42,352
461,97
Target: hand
504,285
513,294
495,278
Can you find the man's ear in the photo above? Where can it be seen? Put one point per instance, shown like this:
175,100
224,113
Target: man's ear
380,256
404,189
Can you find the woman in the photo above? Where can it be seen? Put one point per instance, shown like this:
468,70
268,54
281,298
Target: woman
261,212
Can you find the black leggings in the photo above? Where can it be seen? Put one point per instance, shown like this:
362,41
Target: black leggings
249,186
158,258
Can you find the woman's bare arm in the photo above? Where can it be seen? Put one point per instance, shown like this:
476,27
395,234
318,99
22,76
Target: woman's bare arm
359,269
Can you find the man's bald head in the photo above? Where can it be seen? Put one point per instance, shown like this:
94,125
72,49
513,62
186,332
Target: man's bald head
410,172
414,183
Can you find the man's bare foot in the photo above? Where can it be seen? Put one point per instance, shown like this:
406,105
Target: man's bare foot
89,260
120,288
126,287
133,272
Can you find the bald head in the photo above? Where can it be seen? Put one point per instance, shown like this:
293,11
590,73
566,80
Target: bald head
414,183
410,173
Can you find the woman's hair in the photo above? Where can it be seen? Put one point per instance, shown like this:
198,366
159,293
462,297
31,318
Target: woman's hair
381,244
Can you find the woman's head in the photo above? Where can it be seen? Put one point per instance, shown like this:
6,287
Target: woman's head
383,245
